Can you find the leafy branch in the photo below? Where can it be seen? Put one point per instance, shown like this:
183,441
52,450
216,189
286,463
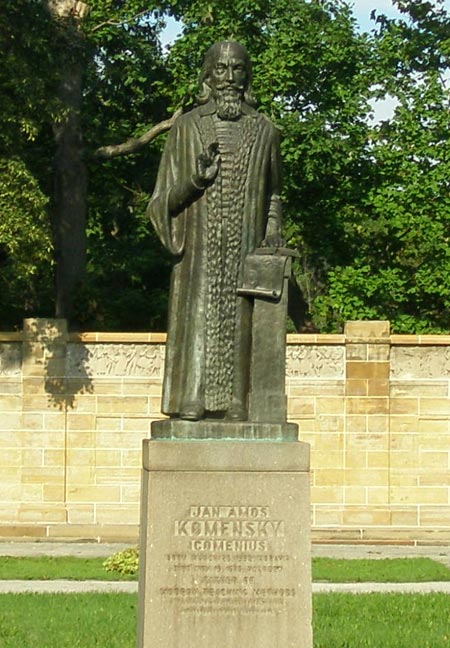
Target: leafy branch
134,144
118,23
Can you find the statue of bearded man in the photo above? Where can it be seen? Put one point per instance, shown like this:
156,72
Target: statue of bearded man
215,201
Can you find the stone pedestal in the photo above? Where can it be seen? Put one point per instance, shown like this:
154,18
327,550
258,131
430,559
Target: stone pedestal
225,545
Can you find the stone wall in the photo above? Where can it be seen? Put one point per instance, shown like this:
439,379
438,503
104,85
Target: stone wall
74,409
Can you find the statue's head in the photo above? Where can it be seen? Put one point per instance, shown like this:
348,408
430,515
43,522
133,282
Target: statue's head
226,76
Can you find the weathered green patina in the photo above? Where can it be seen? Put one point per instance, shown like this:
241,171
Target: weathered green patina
216,200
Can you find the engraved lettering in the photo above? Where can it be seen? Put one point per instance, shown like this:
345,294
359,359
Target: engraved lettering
229,545
229,528
208,511
229,551
181,528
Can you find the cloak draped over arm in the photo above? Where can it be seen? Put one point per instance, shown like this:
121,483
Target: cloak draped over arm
174,191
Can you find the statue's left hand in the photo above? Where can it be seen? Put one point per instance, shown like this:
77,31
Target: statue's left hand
273,236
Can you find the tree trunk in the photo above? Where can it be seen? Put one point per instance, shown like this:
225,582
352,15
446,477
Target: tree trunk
69,204
69,213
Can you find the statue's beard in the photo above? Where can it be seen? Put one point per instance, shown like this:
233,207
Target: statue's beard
228,102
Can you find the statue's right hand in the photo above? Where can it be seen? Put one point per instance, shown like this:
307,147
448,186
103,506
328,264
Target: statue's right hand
207,166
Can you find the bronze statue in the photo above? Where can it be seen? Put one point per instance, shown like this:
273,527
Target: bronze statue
215,201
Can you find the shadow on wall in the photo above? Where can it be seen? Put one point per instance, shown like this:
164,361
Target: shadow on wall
47,363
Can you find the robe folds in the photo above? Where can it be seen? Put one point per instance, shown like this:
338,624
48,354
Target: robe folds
208,321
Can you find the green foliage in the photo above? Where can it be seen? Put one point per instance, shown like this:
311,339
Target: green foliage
367,205
398,257
24,223
127,271
123,562
125,72
25,245
27,82
27,73
126,283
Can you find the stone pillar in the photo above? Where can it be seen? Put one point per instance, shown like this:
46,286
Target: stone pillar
225,545
267,397
366,485
43,422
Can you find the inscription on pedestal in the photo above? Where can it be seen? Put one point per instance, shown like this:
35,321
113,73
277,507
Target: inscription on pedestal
229,550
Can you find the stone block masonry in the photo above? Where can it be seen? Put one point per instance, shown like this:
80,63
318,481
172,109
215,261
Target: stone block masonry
75,408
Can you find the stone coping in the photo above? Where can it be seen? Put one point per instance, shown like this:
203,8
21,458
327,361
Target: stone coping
420,340
11,336
131,338
291,338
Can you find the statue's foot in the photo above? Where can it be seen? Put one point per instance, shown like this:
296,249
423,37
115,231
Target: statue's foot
193,411
237,412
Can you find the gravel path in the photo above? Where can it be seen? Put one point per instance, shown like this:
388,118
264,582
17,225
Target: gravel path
66,587
76,549
127,587
376,552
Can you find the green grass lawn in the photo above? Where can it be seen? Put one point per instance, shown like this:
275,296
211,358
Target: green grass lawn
340,621
381,621
67,620
397,570
51,568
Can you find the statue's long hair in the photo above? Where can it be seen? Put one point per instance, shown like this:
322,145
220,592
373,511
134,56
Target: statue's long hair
208,64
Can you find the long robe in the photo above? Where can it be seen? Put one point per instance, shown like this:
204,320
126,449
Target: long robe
209,325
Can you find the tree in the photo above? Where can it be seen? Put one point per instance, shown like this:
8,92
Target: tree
127,273
81,70
70,179
25,242
26,82
366,204
102,41
399,241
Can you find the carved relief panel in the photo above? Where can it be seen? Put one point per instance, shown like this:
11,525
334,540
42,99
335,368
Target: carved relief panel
315,361
408,363
10,359
115,360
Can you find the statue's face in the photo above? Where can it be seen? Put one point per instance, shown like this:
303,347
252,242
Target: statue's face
229,70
